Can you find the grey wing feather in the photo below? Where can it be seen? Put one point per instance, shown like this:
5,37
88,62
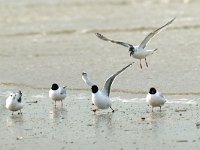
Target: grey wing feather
63,91
150,35
107,85
117,42
86,80
161,95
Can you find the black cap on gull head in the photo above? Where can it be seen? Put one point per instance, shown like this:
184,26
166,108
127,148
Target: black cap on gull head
54,86
152,90
94,89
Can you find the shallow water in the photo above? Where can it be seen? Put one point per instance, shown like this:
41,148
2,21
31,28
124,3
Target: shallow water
47,41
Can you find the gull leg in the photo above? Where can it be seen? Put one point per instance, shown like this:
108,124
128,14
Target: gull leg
152,109
20,112
160,108
12,113
55,104
140,64
146,62
112,109
94,110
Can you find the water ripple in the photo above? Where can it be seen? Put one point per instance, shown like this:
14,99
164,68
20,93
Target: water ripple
88,31
142,100
86,89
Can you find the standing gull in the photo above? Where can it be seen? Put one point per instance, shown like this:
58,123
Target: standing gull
14,102
155,99
138,51
100,98
57,93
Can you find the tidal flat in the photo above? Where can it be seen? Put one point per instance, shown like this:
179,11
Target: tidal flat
47,41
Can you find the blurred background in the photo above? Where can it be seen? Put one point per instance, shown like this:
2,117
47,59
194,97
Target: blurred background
46,41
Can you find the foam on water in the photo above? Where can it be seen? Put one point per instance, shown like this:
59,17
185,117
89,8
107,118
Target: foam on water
170,101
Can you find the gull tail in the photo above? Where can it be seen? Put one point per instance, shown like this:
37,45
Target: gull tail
155,50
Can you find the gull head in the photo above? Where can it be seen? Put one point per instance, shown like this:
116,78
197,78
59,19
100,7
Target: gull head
152,90
54,86
12,95
131,50
94,89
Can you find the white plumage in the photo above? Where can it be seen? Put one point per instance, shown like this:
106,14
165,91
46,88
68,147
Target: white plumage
155,99
14,102
57,93
100,98
138,51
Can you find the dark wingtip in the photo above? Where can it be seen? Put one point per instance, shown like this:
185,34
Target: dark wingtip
131,64
97,34
172,20
20,92
84,73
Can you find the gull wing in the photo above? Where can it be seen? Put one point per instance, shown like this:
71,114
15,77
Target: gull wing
107,85
86,80
109,40
63,91
163,98
19,96
151,35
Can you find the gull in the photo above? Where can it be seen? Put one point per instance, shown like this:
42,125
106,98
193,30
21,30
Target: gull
138,51
155,99
100,98
57,93
14,102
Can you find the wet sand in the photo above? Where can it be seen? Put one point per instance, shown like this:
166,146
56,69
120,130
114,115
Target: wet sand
42,42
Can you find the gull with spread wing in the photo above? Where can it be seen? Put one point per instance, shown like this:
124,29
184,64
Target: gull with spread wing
100,98
138,51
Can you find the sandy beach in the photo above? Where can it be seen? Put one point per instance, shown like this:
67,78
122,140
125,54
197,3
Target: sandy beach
52,41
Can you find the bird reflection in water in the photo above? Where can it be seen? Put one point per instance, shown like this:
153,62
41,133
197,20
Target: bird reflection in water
57,113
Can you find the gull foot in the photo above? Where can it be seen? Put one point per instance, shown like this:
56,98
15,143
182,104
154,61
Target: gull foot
94,110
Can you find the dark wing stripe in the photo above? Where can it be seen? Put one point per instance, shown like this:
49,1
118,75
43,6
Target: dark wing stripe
107,39
107,86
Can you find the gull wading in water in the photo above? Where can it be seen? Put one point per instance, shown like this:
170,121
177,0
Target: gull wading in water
57,93
155,99
138,51
14,102
100,98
